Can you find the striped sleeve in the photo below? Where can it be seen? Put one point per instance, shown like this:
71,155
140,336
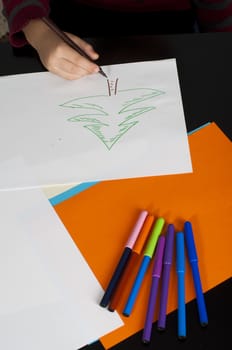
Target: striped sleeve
19,13
214,15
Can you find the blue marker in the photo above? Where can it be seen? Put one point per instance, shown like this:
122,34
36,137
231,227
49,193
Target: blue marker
180,269
148,253
192,256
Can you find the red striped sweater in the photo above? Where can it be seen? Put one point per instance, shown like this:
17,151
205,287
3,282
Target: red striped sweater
213,15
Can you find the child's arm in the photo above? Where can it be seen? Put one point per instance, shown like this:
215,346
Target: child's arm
18,14
56,55
25,26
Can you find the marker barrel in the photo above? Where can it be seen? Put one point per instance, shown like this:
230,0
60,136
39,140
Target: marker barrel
180,268
136,286
202,312
150,312
193,260
116,276
167,262
161,325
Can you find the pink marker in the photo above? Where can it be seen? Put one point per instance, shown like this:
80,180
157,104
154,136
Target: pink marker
124,259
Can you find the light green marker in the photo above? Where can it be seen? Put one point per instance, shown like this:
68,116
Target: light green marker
152,241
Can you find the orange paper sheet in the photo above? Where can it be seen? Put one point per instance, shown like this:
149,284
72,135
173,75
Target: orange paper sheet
100,219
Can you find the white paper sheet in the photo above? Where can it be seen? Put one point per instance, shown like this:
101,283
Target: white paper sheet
49,297
92,129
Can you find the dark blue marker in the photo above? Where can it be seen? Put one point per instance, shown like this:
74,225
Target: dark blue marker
192,256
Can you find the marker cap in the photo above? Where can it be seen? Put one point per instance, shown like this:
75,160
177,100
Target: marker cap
169,244
151,244
139,244
189,239
136,230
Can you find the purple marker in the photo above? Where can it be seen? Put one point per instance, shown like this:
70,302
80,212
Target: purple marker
156,273
167,262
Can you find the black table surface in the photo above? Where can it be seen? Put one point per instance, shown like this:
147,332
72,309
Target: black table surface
204,63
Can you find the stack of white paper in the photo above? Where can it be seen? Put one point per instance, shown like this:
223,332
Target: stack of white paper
49,297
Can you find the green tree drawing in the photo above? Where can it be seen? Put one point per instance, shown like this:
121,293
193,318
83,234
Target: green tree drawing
97,116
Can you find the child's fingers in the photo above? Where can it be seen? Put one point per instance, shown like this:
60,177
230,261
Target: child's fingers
68,70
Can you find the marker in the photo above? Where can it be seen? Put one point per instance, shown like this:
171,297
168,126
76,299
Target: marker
136,251
156,273
180,269
148,253
124,259
193,259
167,262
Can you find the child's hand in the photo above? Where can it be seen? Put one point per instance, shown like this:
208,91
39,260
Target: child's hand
56,55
